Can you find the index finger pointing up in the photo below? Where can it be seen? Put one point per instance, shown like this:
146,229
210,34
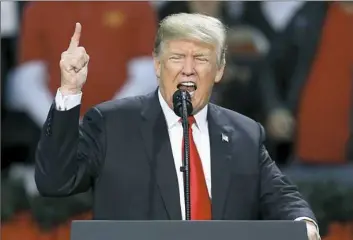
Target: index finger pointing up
75,39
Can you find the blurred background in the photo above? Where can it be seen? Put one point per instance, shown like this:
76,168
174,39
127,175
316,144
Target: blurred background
290,67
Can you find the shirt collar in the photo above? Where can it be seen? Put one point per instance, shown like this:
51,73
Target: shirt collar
173,119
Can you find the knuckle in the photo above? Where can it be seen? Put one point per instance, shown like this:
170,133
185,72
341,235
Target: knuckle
64,55
62,63
83,59
81,50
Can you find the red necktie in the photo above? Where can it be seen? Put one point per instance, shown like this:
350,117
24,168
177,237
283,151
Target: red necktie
200,200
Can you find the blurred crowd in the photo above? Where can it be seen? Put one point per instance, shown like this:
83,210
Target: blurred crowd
289,67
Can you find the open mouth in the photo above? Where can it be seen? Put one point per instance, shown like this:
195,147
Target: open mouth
187,86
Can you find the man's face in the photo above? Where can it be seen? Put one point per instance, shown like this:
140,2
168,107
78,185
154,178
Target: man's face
188,65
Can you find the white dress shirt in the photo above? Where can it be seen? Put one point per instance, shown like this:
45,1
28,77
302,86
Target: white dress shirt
175,130
202,142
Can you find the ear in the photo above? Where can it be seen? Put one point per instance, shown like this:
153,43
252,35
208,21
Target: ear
219,74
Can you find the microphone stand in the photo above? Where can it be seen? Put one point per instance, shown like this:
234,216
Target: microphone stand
186,157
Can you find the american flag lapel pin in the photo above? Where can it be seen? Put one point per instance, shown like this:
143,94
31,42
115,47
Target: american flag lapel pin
225,138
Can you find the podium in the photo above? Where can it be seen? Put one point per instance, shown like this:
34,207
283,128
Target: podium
188,230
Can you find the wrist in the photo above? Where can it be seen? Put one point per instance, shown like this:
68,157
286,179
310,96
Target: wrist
67,90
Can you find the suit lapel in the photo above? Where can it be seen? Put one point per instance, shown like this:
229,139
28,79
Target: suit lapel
220,141
157,144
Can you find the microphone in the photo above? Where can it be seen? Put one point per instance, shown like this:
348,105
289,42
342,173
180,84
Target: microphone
181,97
183,108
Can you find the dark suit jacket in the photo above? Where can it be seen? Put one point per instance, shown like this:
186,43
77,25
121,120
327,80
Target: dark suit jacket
122,151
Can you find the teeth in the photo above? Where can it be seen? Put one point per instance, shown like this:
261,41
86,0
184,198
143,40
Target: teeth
188,84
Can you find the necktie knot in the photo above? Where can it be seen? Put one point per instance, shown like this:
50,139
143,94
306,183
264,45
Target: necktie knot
191,120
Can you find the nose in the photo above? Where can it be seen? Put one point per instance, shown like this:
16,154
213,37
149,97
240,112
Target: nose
188,67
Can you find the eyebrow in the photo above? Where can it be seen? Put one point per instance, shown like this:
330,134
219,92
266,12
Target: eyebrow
195,55
201,55
179,54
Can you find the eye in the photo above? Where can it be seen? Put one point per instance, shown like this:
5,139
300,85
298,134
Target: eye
202,59
176,58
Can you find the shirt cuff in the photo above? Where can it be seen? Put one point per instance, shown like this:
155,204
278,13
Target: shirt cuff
67,102
307,219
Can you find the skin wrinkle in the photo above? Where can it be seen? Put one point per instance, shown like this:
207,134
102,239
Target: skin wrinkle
188,60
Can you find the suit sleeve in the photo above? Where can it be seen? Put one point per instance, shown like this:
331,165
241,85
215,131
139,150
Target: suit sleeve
279,197
69,155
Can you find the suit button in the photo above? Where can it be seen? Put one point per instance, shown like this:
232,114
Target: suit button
48,129
48,132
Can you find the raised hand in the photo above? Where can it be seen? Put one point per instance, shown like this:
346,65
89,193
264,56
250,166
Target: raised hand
74,65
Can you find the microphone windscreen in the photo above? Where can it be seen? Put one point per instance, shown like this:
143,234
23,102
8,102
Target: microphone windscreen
178,98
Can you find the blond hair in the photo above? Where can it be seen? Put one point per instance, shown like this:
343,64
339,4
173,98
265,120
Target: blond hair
194,27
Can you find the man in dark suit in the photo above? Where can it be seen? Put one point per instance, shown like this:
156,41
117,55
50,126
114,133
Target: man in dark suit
130,151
